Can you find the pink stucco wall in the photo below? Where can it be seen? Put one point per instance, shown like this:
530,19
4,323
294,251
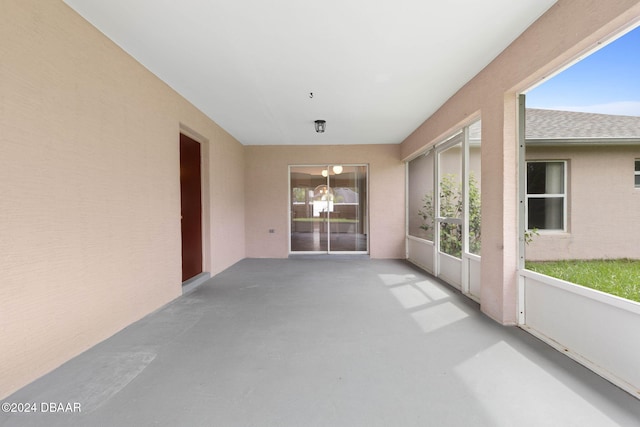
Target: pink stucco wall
267,201
568,29
89,189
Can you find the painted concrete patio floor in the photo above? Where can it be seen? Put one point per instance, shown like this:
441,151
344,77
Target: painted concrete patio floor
323,341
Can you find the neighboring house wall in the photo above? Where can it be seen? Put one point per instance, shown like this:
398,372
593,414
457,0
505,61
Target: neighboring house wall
89,189
267,193
602,204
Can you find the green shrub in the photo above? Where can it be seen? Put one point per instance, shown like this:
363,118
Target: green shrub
451,206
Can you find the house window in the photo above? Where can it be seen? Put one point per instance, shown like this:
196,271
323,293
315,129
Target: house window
637,174
546,195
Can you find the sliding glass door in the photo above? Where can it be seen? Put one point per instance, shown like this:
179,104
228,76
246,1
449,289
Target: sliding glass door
328,209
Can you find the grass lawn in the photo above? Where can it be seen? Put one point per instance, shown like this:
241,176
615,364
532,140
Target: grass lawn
619,277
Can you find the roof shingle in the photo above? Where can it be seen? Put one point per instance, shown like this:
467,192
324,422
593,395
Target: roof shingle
554,124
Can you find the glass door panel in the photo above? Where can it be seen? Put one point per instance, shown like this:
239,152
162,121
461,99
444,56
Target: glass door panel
347,216
309,207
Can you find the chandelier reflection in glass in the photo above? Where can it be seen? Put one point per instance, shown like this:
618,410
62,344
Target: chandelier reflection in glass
323,192
337,169
322,200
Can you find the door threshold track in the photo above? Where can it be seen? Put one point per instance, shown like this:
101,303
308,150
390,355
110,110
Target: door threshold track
329,256
197,280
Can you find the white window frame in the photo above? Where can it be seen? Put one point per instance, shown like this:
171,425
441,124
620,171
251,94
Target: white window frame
564,196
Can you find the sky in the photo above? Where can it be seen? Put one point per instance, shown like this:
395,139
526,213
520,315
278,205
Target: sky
607,81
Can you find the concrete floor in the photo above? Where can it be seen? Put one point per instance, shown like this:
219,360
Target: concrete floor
324,342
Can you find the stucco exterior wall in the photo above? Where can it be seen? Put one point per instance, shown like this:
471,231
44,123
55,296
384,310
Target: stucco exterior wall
268,203
568,29
602,205
89,189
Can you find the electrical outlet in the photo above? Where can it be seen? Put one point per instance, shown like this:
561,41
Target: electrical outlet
271,230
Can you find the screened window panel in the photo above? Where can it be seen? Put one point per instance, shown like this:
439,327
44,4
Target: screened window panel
421,197
474,181
450,238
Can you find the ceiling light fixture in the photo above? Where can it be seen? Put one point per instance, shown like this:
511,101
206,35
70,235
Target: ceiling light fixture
320,125
337,169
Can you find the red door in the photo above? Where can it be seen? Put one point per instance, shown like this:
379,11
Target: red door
191,203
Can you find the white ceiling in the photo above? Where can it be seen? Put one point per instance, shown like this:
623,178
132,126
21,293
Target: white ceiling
377,69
